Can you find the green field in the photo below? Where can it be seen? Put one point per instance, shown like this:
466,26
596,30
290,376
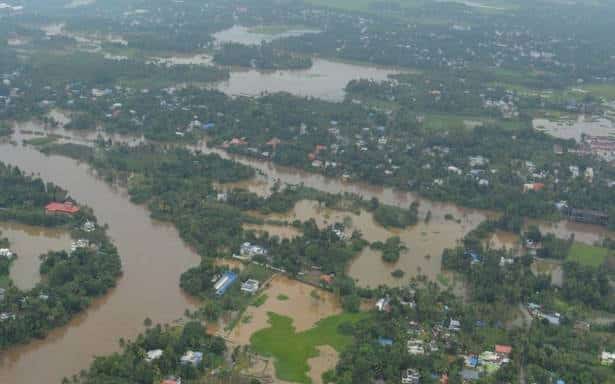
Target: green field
292,350
601,90
588,255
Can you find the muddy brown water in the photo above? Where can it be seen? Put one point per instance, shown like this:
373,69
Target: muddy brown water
29,242
153,258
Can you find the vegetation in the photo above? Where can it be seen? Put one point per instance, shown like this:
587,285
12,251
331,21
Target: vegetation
292,350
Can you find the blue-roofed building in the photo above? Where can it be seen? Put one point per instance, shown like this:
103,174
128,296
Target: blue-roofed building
224,283
472,361
385,342
560,381
474,256
208,126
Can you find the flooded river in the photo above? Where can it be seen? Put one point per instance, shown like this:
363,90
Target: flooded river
29,243
325,80
153,258
575,129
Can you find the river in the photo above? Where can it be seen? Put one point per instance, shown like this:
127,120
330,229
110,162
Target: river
153,258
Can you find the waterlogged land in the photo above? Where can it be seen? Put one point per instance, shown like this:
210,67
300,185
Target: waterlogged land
29,242
153,258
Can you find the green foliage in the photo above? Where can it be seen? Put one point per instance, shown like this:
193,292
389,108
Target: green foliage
292,350
391,249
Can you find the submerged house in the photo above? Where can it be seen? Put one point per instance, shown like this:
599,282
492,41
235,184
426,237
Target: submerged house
66,208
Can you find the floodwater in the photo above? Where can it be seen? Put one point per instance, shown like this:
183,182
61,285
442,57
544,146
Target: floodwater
246,36
325,80
574,129
425,241
301,306
153,258
29,242
325,361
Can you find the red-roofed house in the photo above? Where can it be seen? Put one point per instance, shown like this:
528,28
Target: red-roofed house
66,208
503,349
533,187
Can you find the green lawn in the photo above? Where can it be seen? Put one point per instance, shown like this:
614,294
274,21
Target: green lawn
601,90
587,254
292,350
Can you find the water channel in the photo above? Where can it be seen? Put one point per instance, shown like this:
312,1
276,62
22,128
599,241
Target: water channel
153,258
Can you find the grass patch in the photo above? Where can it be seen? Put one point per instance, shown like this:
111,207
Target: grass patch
260,300
587,255
443,280
40,141
292,350
282,297
4,281
601,90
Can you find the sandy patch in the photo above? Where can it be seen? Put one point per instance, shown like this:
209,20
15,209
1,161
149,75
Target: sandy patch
325,361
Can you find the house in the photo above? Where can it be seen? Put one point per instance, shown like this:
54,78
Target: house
7,316
476,259
383,305
327,279
191,357
274,142
224,283
471,361
250,286
503,350
415,347
453,169
66,208
534,187
454,325
5,252
89,226
79,244
607,358
172,380
154,354
247,251
588,216
410,376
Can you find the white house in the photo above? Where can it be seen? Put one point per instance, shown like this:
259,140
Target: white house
191,357
250,286
411,376
5,252
154,354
